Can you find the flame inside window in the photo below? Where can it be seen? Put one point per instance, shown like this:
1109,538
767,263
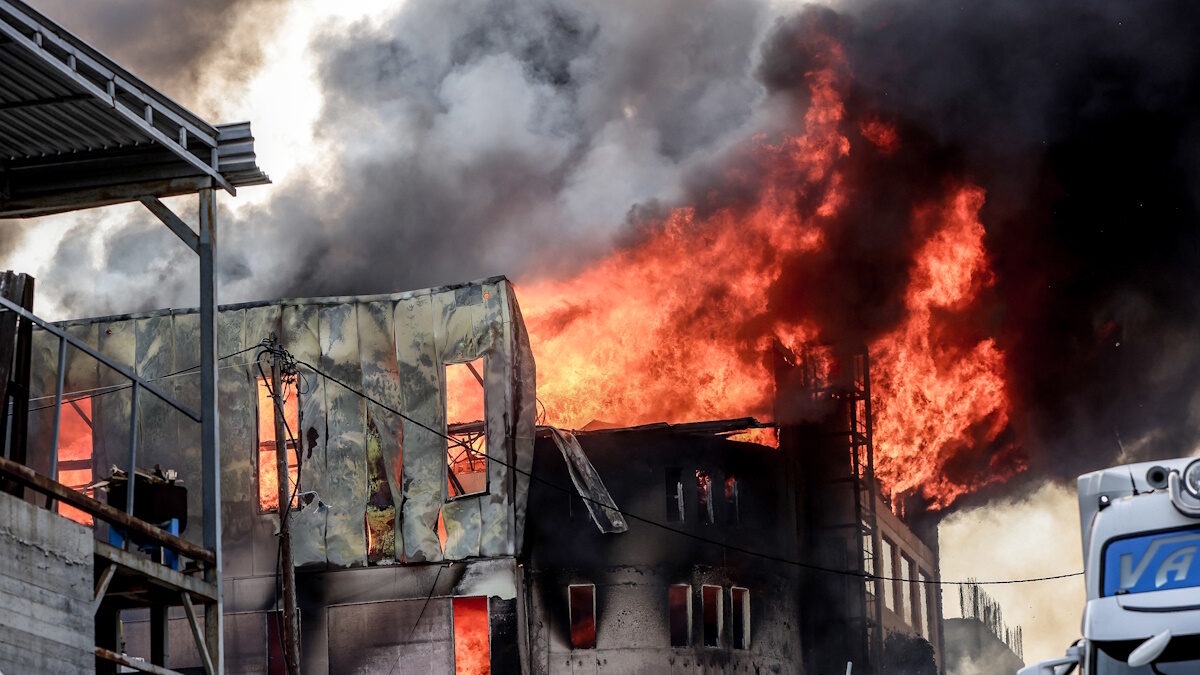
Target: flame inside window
75,453
268,481
472,651
680,599
466,453
704,494
582,600
711,599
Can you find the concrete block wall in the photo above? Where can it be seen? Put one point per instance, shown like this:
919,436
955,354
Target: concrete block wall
46,623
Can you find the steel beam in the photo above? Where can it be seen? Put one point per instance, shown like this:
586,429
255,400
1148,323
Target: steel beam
173,222
210,429
87,198
155,573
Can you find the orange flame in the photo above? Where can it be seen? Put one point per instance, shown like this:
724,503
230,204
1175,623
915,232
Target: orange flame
677,326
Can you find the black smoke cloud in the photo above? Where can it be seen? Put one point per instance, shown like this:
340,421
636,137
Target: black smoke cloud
1081,122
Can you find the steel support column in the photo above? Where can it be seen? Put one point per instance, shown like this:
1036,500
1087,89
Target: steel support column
210,434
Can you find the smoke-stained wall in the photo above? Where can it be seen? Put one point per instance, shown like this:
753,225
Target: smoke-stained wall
393,348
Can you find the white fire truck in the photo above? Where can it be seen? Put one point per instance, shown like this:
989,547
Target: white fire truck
1141,533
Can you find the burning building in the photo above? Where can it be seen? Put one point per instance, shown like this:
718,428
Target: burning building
435,526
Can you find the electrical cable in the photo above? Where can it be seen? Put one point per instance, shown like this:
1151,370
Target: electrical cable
289,372
121,387
668,528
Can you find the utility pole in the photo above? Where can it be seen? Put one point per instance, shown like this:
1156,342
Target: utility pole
291,618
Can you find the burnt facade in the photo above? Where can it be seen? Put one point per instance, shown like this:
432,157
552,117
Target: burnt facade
435,526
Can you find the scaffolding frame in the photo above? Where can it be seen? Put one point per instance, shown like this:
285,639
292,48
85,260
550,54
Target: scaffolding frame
79,131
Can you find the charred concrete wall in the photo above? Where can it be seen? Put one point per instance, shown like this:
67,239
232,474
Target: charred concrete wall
632,572
46,621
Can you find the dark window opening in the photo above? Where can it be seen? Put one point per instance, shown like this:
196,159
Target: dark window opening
268,472
472,645
732,513
675,504
276,662
704,492
466,452
710,597
740,601
582,599
679,598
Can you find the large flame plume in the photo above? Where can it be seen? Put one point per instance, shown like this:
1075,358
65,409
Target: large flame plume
677,325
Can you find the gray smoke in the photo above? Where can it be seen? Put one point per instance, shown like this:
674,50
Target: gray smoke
172,45
469,139
503,136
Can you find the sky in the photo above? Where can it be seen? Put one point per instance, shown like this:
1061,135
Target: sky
467,130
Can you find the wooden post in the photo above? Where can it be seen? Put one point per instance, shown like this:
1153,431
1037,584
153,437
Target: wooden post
291,632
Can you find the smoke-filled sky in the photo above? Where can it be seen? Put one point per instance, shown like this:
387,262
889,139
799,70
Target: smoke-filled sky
426,142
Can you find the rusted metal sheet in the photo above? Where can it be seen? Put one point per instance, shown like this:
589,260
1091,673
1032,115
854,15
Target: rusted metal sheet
43,377
424,476
239,446
158,427
345,449
111,406
587,482
185,387
385,434
492,328
524,412
301,337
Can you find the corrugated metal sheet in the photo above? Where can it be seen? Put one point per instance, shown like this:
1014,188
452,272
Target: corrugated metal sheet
73,120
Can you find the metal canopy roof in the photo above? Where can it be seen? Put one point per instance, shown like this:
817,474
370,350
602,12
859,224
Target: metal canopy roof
77,130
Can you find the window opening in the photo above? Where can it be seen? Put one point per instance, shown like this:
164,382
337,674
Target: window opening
889,588
268,472
906,609
466,451
732,514
675,504
582,599
740,601
704,492
710,597
472,648
679,599
75,454
923,593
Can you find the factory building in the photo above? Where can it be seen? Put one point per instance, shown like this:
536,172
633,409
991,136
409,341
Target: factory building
434,524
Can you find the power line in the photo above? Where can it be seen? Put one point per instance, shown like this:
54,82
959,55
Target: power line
122,387
668,528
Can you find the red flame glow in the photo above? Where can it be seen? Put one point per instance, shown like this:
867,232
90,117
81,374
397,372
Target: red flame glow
677,326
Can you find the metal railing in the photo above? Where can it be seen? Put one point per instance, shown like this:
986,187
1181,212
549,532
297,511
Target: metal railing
137,384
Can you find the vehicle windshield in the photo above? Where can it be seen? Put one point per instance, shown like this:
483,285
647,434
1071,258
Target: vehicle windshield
1181,656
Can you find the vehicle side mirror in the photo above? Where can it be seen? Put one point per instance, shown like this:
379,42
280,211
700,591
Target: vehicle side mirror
1147,652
